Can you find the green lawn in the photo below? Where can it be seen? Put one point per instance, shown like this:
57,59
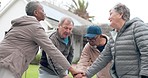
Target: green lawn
32,72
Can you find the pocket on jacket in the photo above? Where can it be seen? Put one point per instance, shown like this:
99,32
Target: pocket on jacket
15,62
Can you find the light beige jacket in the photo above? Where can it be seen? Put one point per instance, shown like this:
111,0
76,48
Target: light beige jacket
88,56
21,44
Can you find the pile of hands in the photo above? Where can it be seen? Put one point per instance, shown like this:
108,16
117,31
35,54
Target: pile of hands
78,74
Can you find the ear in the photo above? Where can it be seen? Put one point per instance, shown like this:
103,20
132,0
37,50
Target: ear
121,15
35,12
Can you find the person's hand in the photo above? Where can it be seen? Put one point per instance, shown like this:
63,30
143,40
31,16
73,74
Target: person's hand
84,77
78,75
67,76
76,72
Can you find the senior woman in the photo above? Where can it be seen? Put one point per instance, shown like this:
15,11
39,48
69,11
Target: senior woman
127,47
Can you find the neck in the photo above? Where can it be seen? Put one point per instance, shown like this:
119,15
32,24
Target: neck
120,25
102,41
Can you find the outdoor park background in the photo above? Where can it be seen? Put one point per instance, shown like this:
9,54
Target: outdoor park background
99,10
32,71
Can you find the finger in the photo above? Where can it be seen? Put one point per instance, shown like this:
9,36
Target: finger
78,76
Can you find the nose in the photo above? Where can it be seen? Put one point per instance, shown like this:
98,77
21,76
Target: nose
44,14
68,31
109,18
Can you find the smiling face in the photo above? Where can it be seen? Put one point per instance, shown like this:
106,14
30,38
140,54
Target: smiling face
65,29
39,13
95,41
119,14
114,18
34,8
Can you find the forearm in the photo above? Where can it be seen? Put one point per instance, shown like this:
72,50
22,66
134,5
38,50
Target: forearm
72,70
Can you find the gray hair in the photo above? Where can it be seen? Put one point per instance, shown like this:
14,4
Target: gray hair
65,18
31,7
122,9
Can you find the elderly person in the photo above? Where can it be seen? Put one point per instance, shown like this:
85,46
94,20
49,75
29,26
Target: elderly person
92,50
62,39
128,49
22,42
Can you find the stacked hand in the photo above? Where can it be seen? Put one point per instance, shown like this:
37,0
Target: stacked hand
80,75
76,76
76,73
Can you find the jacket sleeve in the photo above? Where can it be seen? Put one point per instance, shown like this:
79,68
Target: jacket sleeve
100,62
84,61
41,38
56,67
141,38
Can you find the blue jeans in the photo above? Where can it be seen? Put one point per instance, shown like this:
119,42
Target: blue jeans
44,74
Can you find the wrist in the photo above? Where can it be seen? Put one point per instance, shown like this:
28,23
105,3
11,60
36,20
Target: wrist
71,69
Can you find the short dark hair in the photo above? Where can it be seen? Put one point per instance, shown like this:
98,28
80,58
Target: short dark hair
31,7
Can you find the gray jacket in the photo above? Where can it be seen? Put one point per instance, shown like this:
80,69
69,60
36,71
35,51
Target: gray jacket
67,50
21,44
128,53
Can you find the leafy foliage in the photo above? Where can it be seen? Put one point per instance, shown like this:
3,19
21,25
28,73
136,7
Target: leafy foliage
79,8
36,60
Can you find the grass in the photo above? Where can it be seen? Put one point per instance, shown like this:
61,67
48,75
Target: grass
32,72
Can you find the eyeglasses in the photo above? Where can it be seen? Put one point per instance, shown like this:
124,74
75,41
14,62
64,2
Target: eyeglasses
67,28
92,39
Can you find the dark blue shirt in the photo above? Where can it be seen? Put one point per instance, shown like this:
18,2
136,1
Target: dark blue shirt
100,48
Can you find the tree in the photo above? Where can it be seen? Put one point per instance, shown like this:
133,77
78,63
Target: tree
80,8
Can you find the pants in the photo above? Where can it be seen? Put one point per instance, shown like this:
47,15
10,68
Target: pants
44,74
5,73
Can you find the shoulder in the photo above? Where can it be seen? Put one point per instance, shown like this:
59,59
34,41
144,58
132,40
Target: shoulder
52,34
